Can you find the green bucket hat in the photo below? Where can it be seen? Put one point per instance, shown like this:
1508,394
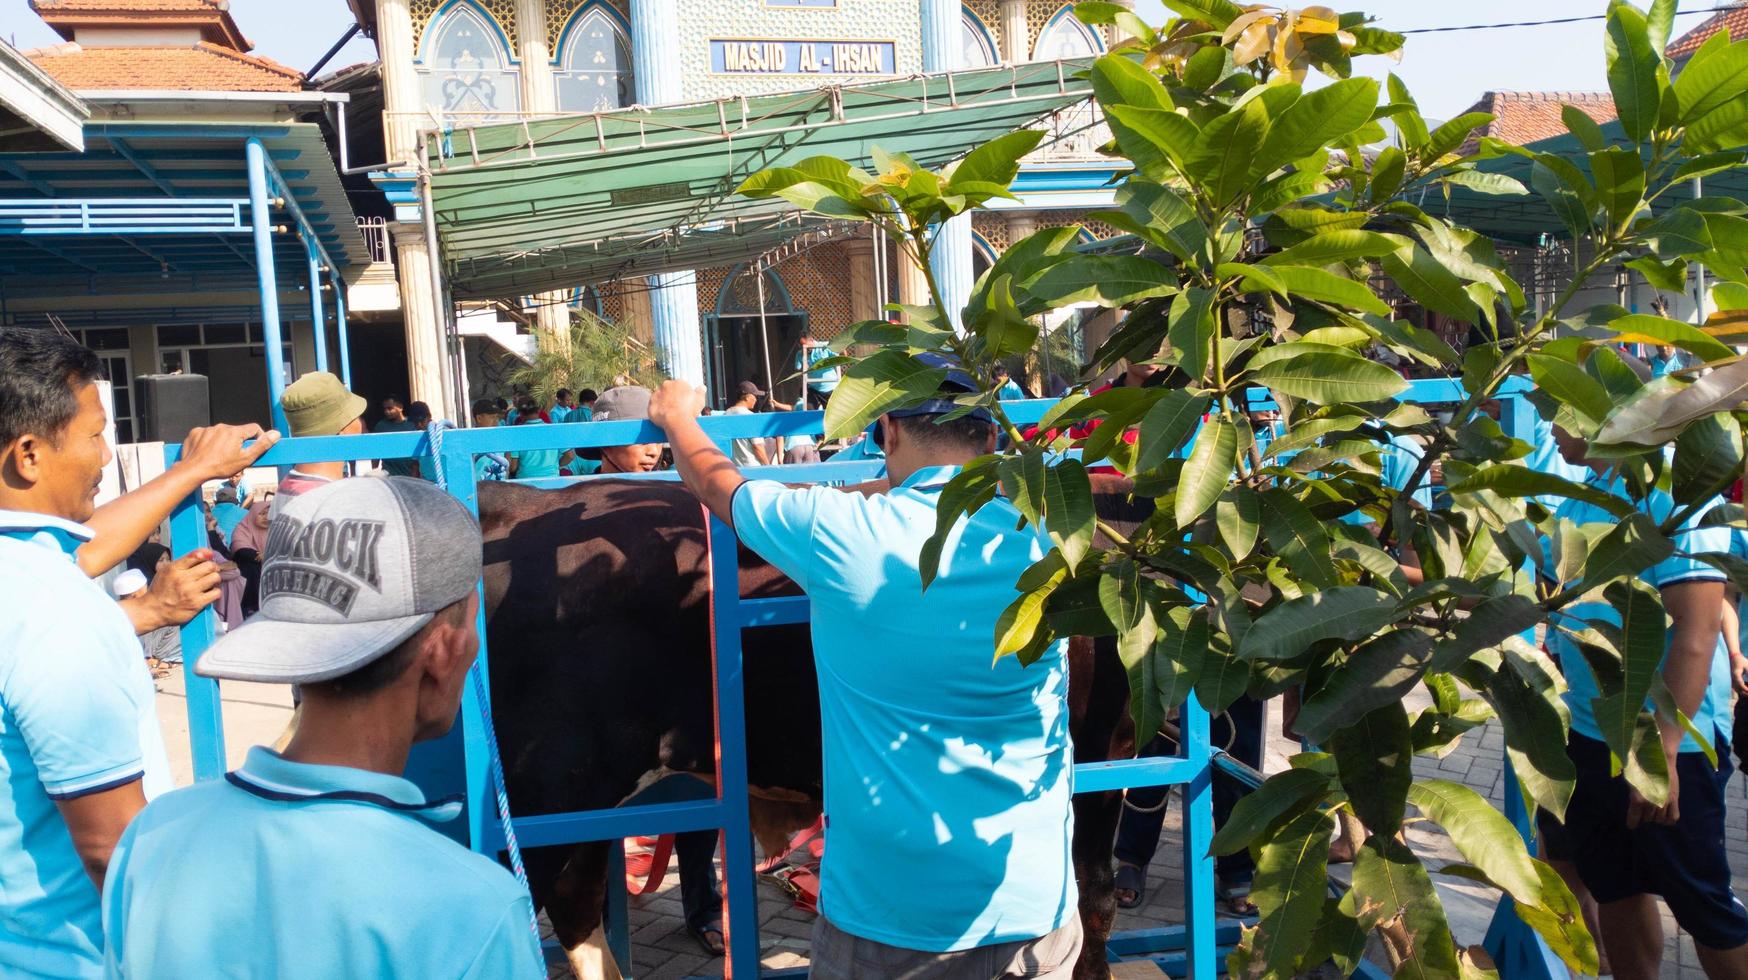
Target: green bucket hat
318,404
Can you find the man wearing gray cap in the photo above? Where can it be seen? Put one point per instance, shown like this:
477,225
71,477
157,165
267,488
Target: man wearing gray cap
319,862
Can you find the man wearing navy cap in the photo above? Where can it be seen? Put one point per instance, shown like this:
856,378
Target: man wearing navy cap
321,862
947,773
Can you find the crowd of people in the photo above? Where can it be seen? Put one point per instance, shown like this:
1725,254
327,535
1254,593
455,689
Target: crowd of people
319,859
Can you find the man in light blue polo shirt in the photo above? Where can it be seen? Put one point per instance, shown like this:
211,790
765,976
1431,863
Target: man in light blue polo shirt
320,862
947,773
1627,849
80,750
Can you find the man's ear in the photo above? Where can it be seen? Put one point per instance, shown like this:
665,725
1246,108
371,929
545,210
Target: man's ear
23,459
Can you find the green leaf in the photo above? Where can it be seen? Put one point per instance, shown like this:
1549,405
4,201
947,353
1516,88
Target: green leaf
1334,246
1375,756
1428,281
1646,767
1120,594
1579,124
1566,191
1346,613
1409,123
1307,282
1560,921
1290,791
1168,214
1074,609
1380,672
1632,70
974,486
1298,537
1482,182
1004,331
1226,152
1452,134
1294,224
1707,455
1331,378
1568,383
1658,22
1178,656
1671,276
1209,468
1218,13
1389,882
1171,420
994,162
1109,280
1512,480
1643,328
1161,134
1224,678
1643,642
1024,261
1680,231
1238,514
1190,328
1291,880
1628,548
1620,182
1712,78
1482,834
1488,625
1017,629
1660,412
1388,169
1022,482
878,383
1527,700
1316,120
1068,503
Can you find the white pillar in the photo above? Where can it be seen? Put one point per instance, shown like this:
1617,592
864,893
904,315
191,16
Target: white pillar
551,314
951,258
1016,34
655,43
403,104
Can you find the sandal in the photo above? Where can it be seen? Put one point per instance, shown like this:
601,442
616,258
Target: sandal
709,938
1130,878
1235,895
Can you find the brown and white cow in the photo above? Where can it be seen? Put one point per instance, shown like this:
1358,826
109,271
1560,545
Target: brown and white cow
599,633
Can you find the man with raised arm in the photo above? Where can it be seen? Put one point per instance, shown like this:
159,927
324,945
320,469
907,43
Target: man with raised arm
947,772
322,862
80,748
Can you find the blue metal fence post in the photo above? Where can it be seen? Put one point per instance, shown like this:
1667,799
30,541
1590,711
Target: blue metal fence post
261,223
742,933
1198,819
340,339
318,322
206,728
458,480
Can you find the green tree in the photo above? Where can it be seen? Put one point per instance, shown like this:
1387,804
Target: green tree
597,350
1224,143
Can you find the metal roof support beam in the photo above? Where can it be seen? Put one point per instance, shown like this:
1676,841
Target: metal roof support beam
316,320
279,185
24,176
340,338
146,170
261,224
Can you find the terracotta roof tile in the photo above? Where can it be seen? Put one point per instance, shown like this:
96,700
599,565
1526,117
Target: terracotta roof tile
211,17
1734,20
1520,118
190,6
205,67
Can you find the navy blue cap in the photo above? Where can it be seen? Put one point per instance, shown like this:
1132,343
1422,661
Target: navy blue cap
957,380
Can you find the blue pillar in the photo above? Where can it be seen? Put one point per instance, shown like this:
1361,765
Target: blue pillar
951,259
261,220
318,322
655,46
340,337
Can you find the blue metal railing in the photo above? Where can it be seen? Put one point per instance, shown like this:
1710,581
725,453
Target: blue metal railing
1200,937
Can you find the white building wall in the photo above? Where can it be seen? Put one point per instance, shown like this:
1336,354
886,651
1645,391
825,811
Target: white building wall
897,21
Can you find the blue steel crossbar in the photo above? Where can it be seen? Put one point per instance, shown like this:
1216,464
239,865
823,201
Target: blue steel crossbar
123,216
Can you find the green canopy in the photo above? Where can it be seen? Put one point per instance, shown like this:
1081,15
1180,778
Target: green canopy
1524,219
530,206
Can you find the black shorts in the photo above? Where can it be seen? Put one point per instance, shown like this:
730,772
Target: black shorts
1685,863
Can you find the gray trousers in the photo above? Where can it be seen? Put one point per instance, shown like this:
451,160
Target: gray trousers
837,955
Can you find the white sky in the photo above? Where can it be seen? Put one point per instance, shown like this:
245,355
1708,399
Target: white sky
1446,72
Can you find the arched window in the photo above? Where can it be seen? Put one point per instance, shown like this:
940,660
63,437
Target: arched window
1065,37
974,36
594,63
466,67
983,256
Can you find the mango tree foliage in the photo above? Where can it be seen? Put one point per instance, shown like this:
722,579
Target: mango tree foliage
1270,211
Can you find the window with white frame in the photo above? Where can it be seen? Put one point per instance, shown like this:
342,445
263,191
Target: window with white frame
979,51
1064,37
594,65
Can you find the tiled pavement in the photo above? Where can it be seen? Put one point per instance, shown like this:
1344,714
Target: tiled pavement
663,951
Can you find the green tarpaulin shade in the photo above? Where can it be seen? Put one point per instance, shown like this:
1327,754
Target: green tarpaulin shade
1525,219
530,206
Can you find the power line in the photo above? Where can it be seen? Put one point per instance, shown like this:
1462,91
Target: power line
1544,23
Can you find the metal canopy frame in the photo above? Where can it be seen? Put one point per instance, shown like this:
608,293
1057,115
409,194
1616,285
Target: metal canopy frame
549,203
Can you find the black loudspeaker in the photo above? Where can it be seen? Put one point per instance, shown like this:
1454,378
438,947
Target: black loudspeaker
168,405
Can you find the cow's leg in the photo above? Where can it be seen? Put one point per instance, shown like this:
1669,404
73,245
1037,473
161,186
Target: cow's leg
1098,694
570,884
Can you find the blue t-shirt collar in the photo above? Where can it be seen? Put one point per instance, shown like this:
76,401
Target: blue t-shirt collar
930,477
45,530
271,776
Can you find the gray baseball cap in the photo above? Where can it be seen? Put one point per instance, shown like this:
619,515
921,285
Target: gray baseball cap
351,571
623,402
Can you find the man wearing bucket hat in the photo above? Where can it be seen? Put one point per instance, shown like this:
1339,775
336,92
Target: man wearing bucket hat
321,861
946,774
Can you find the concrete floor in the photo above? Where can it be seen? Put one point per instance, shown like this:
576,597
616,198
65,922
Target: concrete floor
662,950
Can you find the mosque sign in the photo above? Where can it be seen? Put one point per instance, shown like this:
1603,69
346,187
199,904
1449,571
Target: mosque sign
734,56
